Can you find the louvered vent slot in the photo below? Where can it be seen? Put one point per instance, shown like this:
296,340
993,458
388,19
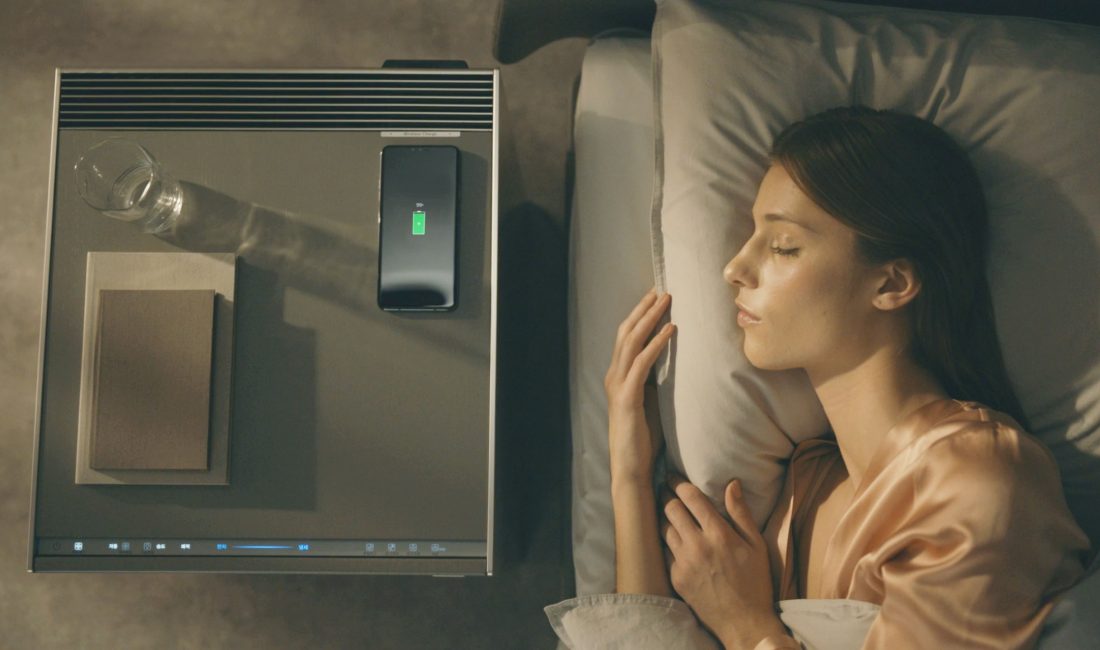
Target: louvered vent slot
451,100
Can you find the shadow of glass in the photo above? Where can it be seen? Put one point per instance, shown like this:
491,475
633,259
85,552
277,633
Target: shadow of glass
323,257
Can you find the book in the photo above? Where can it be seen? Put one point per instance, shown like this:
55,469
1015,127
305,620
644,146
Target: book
152,379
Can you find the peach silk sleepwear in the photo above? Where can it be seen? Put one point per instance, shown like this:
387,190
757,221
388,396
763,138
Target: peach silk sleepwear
959,531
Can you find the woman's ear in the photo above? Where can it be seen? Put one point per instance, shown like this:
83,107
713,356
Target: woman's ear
898,284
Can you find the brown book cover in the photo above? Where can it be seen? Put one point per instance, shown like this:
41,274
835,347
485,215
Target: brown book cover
152,371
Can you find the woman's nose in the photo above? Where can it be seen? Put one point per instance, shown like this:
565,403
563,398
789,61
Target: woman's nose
736,272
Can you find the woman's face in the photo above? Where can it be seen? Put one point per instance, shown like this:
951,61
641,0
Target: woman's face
803,281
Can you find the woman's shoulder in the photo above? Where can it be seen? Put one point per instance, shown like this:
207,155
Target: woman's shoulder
979,434
976,469
975,452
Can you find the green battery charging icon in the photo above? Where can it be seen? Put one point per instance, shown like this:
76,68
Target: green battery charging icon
419,222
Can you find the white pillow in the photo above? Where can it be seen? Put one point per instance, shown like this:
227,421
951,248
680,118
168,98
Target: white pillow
1019,94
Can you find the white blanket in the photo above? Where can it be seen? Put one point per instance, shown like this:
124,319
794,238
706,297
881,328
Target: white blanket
647,622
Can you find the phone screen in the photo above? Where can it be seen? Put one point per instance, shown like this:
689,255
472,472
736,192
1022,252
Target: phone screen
418,224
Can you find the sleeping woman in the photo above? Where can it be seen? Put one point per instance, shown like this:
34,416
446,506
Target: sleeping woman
928,496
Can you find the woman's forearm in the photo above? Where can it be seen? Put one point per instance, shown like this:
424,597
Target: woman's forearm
639,562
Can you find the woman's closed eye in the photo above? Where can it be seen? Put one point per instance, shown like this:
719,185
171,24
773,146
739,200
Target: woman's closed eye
786,252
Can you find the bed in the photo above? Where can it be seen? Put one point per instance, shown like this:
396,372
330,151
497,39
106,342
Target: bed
676,103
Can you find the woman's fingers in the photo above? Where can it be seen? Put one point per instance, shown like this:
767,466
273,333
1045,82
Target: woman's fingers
631,360
646,358
696,503
647,303
636,314
740,513
680,517
679,521
633,339
638,329
669,534
626,327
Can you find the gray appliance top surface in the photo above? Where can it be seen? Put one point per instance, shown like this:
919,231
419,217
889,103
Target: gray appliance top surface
347,421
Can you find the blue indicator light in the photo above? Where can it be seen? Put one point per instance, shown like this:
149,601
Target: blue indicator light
303,547
222,547
254,546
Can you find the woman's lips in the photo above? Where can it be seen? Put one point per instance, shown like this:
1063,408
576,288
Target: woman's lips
745,317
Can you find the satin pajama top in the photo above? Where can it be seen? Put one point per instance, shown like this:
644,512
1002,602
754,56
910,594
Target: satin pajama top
959,531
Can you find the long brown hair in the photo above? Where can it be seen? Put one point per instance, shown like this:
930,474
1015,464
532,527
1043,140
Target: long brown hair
909,191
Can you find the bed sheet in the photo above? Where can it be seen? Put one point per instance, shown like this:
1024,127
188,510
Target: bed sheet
610,268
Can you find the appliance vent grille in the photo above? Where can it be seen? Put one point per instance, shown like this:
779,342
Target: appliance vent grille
352,100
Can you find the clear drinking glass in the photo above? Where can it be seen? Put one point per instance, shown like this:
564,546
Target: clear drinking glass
120,178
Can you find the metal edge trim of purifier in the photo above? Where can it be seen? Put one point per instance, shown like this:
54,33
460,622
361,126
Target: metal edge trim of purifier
350,566
489,544
443,72
42,320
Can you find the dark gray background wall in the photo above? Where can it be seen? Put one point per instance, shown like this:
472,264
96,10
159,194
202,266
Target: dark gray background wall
299,611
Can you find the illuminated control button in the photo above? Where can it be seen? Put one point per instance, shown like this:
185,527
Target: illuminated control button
78,547
185,547
438,548
161,546
147,547
222,547
303,547
391,548
369,547
125,547
112,546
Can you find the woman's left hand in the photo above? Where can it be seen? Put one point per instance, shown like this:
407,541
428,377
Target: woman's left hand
721,571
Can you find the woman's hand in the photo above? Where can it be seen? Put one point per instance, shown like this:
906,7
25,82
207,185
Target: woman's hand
632,443
721,571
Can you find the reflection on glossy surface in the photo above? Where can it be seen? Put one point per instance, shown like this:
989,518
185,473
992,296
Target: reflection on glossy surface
330,259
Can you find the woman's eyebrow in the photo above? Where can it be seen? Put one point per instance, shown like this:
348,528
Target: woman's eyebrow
775,216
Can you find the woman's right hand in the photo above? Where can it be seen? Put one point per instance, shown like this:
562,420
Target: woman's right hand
632,444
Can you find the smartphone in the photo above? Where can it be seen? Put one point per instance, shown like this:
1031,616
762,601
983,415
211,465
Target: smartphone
418,228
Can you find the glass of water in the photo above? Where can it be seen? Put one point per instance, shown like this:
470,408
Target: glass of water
121,178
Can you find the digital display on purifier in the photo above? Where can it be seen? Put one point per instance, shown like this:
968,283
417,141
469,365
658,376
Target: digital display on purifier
417,265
